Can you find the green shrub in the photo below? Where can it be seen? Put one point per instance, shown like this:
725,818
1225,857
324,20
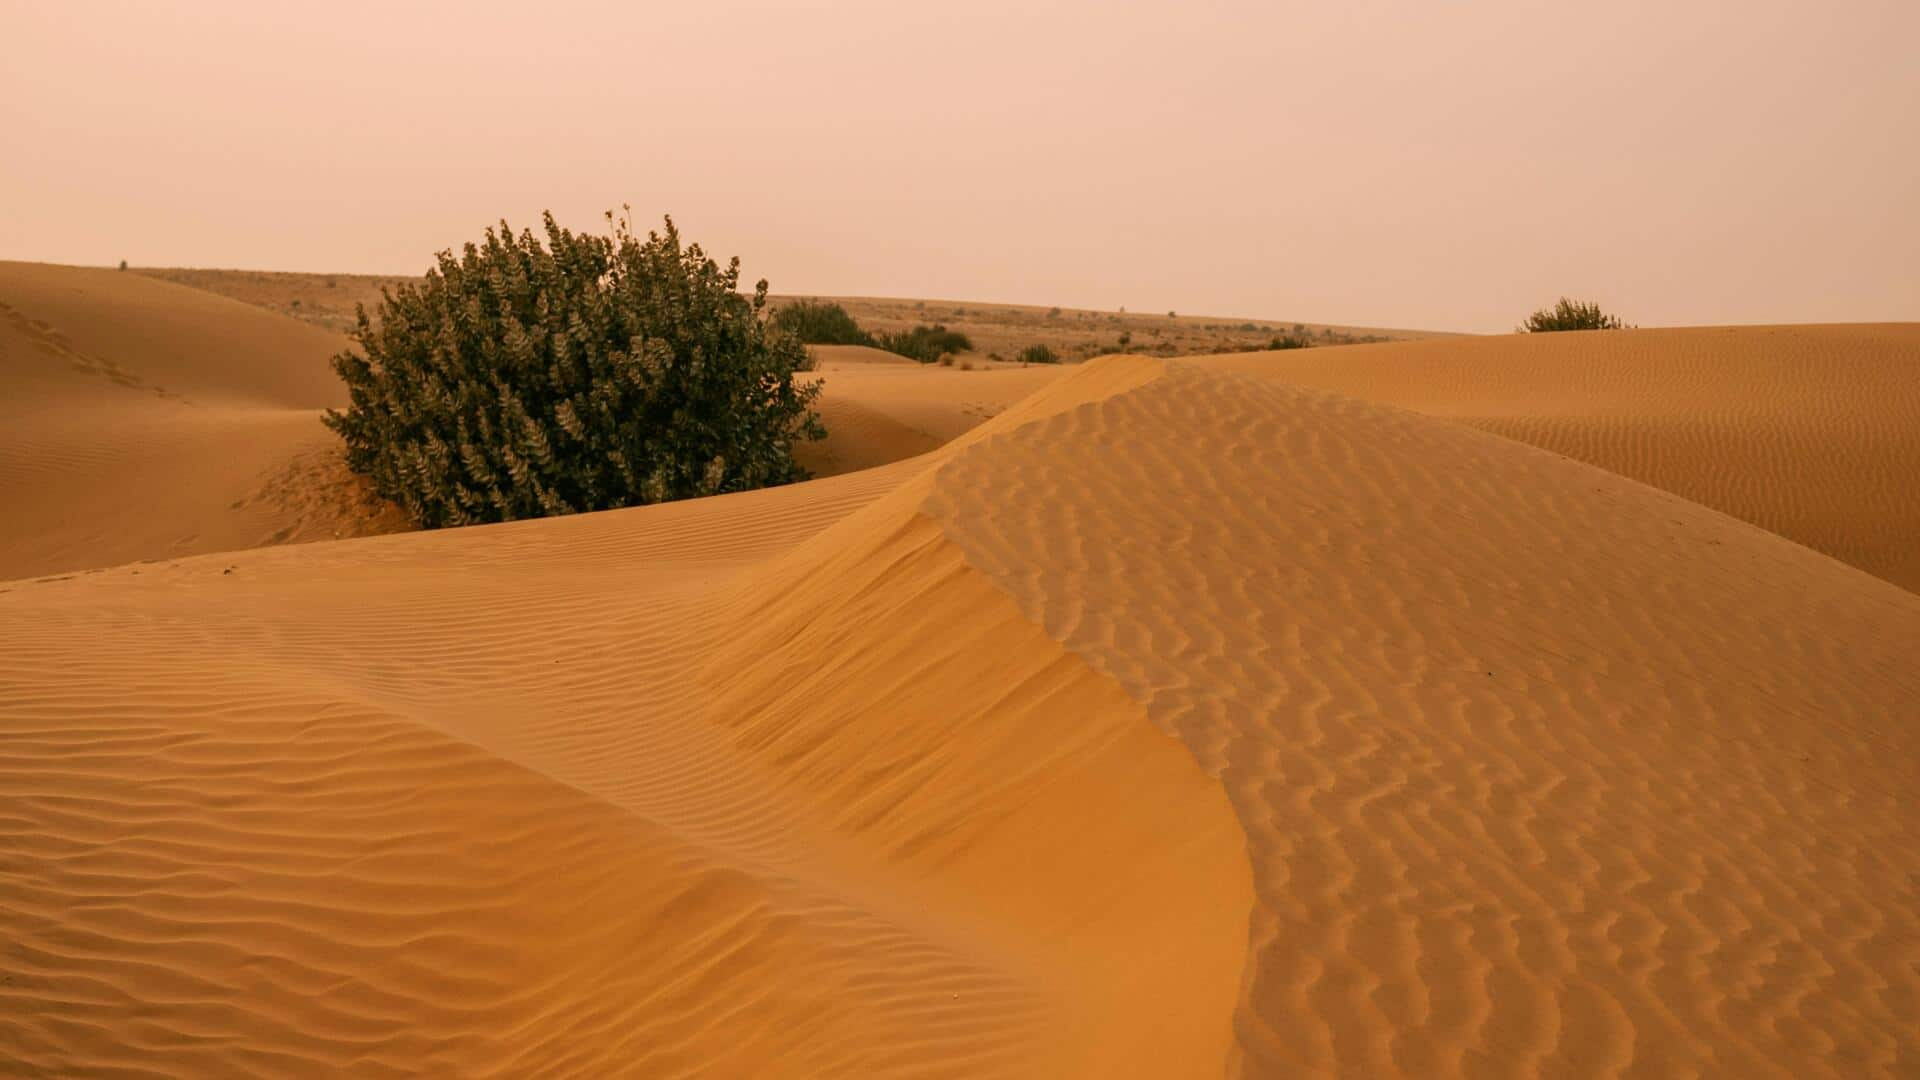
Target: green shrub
520,380
819,323
926,344
1571,315
1038,354
1290,341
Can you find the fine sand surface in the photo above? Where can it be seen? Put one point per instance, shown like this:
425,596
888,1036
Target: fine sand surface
1173,721
879,407
143,420
1812,432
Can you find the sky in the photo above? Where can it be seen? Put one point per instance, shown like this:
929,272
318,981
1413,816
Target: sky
1432,164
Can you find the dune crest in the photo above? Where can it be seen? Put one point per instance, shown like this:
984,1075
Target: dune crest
567,797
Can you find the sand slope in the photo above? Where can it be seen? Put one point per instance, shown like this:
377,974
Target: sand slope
470,803
144,420
1812,432
1481,761
880,407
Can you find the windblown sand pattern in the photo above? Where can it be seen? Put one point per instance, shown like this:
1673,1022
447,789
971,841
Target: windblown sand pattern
1166,720
1542,772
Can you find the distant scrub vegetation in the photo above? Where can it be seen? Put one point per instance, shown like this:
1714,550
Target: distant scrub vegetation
820,323
1038,354
926,344
823,322
522,380
1571,315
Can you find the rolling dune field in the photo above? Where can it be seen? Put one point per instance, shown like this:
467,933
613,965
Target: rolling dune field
1472,707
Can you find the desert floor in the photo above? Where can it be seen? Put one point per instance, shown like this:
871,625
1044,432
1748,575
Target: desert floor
1534,706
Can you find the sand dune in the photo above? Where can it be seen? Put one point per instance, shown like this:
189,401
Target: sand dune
879,407
143,420
1174,721
1812,432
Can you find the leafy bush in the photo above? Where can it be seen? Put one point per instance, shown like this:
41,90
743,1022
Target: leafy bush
1571,315
819,323
1038,354
926,344
1290,341
520,380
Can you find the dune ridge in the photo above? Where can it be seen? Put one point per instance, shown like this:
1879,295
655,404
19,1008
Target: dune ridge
483,802
1541,771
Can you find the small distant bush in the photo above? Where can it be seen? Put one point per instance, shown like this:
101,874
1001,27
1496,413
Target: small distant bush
123,264
522,379
1038,354
819,323
926,344
946,360
1171,315
1290,341
1053,313
1126,339
1571,315
1248,327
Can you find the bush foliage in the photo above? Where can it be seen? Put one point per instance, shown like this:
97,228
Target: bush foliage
1038,354
820,323
926,344
521,380
1571,315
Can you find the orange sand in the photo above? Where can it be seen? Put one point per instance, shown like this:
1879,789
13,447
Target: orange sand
1812,432
142,420
1173,721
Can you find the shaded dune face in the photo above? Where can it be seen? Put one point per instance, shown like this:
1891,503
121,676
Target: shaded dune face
1173,721
569,798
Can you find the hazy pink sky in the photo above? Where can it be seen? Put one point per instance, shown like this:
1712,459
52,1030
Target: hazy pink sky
1415,163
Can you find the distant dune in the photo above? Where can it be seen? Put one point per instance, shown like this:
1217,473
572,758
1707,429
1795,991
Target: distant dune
142,420
1812,432
1173,721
